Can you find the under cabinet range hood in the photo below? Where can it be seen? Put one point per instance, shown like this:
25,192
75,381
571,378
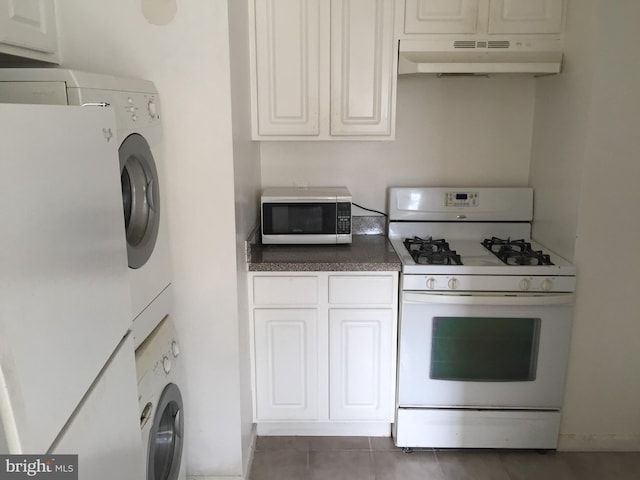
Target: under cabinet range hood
480,55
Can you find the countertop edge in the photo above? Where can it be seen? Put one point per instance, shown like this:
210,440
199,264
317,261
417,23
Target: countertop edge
372,253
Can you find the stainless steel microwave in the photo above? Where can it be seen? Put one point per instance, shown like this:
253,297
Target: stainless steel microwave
305,215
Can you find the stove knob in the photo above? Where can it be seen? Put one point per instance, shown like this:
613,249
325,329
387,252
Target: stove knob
525,284
546,284
431,283
453,283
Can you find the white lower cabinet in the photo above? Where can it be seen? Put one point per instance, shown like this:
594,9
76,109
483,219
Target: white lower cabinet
286,363
324,351
359,364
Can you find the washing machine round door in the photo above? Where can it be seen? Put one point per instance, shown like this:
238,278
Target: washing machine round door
140,198
164,455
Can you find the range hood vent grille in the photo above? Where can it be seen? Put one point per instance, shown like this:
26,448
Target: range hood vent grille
464,44
499,44
481,44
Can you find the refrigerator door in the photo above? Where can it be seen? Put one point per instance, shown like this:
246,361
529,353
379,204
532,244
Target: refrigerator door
64,297
105,430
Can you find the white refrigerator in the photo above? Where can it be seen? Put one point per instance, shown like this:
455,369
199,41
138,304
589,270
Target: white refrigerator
67,371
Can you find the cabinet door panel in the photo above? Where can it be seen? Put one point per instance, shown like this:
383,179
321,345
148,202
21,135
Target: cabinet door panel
525,16
286,364
287,66
362,76
441,16
360,364
28,24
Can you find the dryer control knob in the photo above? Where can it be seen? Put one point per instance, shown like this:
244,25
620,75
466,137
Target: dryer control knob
153,110
166,364
175,348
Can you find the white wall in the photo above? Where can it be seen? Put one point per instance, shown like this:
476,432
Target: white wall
246,160
599,162
562,114
188,59
449,132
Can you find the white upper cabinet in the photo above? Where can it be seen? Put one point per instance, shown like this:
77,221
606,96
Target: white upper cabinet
287,67
28,29
525,16
441,16
493,17
362,72
323,70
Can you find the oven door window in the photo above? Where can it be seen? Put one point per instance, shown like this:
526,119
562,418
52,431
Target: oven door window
484,349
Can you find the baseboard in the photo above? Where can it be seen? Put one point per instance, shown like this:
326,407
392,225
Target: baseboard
599,443
213,477
374,429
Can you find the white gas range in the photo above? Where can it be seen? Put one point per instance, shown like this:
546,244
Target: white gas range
485,320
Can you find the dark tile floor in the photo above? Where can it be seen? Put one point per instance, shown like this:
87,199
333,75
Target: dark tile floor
372,458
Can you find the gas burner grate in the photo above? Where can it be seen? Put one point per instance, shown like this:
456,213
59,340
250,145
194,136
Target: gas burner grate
516,252
427,251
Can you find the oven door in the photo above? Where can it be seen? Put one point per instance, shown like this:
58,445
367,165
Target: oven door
484,350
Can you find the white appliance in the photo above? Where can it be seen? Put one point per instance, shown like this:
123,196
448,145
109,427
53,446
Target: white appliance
139,136
480,55
305,215
485,320
105,449
64,306
160,377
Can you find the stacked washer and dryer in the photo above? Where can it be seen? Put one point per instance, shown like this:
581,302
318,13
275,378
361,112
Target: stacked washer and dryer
139,137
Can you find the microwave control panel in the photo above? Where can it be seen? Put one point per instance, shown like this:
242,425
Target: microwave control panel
343,218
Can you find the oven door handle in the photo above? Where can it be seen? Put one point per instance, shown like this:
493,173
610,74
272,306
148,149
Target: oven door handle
493,299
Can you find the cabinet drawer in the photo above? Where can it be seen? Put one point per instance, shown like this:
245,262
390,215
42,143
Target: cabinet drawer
346,290
292,290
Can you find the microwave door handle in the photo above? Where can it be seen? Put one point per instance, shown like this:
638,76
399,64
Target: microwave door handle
501,300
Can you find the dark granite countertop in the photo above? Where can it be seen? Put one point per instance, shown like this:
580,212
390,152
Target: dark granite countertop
365,253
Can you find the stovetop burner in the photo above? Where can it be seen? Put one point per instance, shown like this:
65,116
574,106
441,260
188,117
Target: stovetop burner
427,251
516,252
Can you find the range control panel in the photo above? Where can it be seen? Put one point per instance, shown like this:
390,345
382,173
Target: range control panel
461,199
540,284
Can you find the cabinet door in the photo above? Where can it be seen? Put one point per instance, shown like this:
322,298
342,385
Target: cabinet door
525,16
360,377
29,24
287,63
362,74
286,364
441,16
